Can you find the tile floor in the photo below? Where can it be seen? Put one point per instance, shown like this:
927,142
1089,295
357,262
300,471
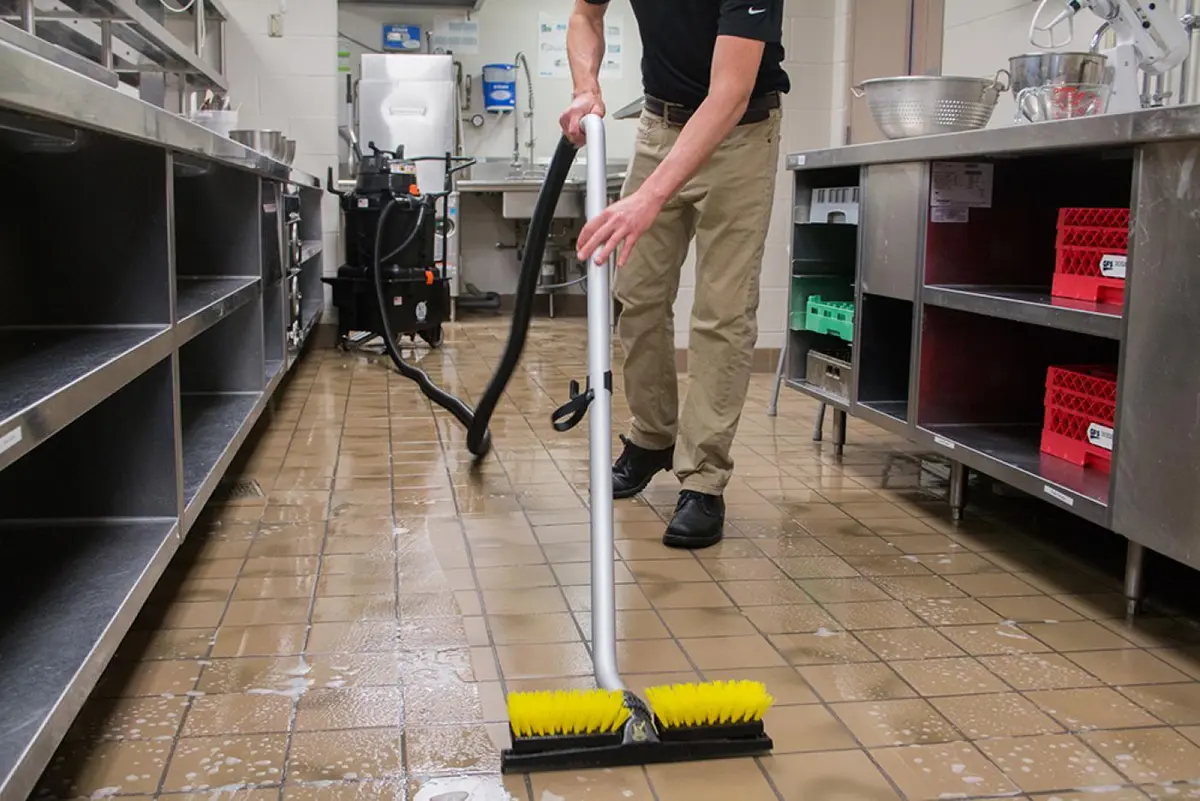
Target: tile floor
351,634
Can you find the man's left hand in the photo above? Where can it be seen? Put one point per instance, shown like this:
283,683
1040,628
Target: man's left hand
620,225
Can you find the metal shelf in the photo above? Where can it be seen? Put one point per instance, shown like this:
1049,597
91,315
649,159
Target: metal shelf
70,593
1010,453
202,302
214,427
1030,305
815,392
49,377
271,369
310,248
896,410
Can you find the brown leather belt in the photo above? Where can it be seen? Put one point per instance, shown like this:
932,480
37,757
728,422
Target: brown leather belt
759,110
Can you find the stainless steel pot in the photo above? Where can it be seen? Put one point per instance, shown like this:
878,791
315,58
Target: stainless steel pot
272,144
1040,69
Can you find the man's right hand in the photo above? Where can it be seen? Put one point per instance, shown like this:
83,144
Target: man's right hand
585,103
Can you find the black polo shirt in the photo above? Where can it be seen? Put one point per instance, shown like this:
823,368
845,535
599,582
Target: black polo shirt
679,36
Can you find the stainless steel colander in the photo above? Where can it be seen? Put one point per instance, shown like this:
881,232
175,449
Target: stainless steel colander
914,105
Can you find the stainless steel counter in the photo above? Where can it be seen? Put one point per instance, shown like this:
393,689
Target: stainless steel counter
1109,130
955,325
141,339
32,85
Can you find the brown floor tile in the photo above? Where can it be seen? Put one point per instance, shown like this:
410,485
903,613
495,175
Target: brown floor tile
250,589
789,619
1176,704
83,770
872,681
900,644
626,783
907,722
843,590
830,776
135,679
255,675
544,660
953,612
1050,762
130,719
521,629
350,708
454,749
164,644
1095,708
387,790
729,653
200,763
438,787
821,648
651,656
709,781
1039,672
238,713
992,585
1032,609
1146,756
1127,667
747,594
712,622
993,639
873,615
1000,715
784,684
341,755
693,595
942,771
955,676
337,609
231,641
1080,635
796,729
371,635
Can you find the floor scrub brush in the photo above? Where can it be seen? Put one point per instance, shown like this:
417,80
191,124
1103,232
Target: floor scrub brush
611,726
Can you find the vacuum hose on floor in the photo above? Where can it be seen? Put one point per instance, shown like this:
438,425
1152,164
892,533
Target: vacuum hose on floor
479,438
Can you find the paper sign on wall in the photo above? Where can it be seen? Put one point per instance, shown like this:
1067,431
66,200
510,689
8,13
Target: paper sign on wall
456,35
959,183
552,47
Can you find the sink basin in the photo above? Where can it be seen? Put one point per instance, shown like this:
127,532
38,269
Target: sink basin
518,205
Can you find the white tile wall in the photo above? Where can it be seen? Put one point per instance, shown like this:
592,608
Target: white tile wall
289,83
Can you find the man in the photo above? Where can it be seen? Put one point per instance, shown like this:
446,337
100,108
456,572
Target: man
704,168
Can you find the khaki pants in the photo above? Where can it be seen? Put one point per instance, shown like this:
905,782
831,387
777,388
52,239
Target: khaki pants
726,208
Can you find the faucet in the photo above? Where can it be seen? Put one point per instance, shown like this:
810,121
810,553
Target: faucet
522,63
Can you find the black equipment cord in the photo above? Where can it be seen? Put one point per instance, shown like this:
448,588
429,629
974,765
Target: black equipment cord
479,438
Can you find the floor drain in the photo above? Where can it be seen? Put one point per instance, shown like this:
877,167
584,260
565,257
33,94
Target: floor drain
238,490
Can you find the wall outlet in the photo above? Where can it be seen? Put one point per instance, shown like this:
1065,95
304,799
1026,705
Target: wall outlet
275,25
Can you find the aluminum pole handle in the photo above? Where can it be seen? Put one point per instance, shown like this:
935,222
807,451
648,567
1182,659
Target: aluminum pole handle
604,603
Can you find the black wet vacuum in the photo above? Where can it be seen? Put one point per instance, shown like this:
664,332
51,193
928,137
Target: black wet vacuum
391,284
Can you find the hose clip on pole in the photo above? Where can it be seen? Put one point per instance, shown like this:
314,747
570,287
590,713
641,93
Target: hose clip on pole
571,413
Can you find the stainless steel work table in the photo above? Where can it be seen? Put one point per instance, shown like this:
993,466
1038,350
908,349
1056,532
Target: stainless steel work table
142,336
955,327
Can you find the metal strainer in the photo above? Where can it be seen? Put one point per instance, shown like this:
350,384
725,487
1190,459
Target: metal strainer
914,105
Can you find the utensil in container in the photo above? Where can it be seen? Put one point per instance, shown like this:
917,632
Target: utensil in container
1062,101
915,105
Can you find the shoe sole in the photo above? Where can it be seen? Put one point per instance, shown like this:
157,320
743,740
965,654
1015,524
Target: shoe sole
691,543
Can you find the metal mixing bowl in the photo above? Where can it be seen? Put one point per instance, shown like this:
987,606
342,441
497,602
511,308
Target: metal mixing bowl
271,144
914,105
1040,69
289,151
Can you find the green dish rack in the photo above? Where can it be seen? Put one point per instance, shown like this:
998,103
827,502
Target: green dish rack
833,317
804,287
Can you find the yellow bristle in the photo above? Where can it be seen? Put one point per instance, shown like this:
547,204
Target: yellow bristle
709,704
561,712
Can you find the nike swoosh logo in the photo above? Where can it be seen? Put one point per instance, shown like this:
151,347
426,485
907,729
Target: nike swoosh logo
758,11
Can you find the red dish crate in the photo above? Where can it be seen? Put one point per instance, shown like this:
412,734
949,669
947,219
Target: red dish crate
1091,248
1080,403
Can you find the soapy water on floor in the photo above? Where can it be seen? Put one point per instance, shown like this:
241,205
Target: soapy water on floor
470,788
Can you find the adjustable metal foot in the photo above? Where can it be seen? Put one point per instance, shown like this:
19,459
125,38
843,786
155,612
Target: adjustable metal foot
819,425
839,432
959,475
1135,556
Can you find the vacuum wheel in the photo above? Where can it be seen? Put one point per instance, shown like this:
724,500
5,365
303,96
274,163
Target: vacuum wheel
434,337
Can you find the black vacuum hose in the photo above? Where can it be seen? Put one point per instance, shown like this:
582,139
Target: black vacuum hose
479,439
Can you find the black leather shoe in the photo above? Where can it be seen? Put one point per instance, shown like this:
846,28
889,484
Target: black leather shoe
699,521
636,466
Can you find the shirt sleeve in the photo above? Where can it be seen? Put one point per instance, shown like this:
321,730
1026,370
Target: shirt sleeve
760,20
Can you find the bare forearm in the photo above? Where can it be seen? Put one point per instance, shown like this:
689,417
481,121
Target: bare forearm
585,51
707,128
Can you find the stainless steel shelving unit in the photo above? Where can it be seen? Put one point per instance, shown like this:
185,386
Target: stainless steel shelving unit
955,325
142,339
122,37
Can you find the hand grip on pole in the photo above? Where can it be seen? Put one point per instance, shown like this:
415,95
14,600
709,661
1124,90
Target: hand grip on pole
597,177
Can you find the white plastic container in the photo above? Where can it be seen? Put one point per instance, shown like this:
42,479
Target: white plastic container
219,122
